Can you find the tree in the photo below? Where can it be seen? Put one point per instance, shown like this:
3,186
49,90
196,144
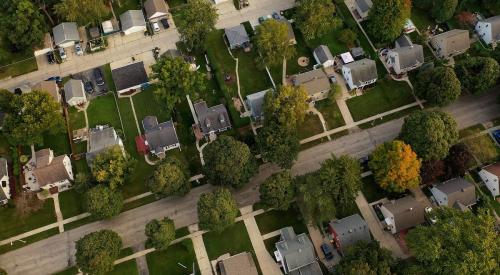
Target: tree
278,191
22,23
458,161
492,5
196,20
347,37
366,258
31,116
6,99
432,171
335,92
112,166
170,178
429,133
273,43
217,210
160,233
473,247
466,18
287,107
439,86
82,183
84,12
387,18
97,251
423,4
395,166
229,162
176,80
477,74
278,145
27,203
103,203
315,18
443,10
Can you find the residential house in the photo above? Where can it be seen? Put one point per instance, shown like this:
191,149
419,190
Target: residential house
489,29
101,139
237,37
4,182
155,10
451,43
211,120
66,34
132,21
295,253
50,87
255,103
357,53
490,175
457,192
50,173
323,56
406,56
403,213
159,137
349,230
362,7
129,77
74,92
315,82
239,264
359,74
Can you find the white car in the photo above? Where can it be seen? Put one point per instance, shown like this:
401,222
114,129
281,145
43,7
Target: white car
78,49
156,27
62,53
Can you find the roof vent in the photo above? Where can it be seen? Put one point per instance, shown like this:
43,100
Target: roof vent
221,118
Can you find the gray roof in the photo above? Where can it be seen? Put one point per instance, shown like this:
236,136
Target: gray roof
132,18
160,135
495,26
65,32
3,168
256,102
314,81
403,41
297,252
362,70
452,41
211,119
458,190
410,55
129,76
100,139
323,53
239,264
74,88
350,230
153,6
357,52
407,211
237,35
364,5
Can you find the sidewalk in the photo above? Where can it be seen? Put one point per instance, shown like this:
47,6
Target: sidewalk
266,262
59,215
201,255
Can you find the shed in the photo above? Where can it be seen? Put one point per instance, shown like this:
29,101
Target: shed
237,37
323,56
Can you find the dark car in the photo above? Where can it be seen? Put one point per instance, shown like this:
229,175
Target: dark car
50,58
327,250
98,77
57,79
89,88
165,24
496,135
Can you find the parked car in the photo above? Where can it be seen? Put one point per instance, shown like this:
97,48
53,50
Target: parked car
496,135
327,250
155,26
98,77
62,53
89,88
50,57
165,24
57,79
78,49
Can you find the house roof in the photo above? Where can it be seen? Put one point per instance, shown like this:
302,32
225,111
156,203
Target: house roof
100,139
357,52
458,190
291,34
493,168
452,41
50,87
3,168
351,230
132,18
236,35
323,53
314,81
256,101
407,211
495,26
211,119
110,26
410,55
159,135
362,70
403,41
50,169
297,252
64,32
74,89
364,5
155,6
240,264
129,76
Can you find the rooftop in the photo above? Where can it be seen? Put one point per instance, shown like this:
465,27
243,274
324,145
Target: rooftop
129,76
256,101
64,32
458,190
351,230
237,35
211,119
240,264
152,7
362,70
49,169
74,88
323,53
407,211
100,139
297,252
313,81
159,135
132,18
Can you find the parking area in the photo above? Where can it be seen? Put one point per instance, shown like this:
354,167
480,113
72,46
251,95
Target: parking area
91,82
161,24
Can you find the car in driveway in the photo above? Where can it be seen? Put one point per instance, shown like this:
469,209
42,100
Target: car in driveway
155,26
62,54
50,57
327,250
89,87
98,77
165,24
78,49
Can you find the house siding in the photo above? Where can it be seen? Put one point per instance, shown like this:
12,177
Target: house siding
483,29
491,182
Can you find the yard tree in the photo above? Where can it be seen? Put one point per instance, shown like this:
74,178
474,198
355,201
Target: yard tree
367,259
348,37
271,39
477,74
287,106
22,24
103,203
315,18
335,92
387,18
316,200
84,12
217,210
97,251
112,167
432,171
278,144
229,162
82,183
6,99
458,161
278,191
430,134
422,4
443,10
458,243
170,178
197,19
395,166
439,86
176,80
31,116
160,233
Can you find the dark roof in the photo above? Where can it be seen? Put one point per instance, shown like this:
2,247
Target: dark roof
237,35
211,119
351,230
357,52
100,139
403,41
458,190
362,70
297,252
323,53
129,76
160,135
256,102
410,55
364,5
407,211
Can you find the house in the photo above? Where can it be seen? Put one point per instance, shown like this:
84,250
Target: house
489,29
110,26
4,182
155,10
129,77
237,37
403,59
315,82
50,87
132,21
451,43
74,92
50,173
490,175
66,34
255,103
323,56
291,34
357,53
211,120
349,230
295,253
159,137
457,192
101,139
47,46
362,7
402,214
239,264
359,74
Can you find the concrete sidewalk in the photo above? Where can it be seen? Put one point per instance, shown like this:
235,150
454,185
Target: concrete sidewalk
201,255
267,265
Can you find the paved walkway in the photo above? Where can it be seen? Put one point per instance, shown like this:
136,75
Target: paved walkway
266,262
271,234
201,255
317,240
315,111
142,263
59,215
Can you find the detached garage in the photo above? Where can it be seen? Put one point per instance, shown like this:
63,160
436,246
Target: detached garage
155,9
132,21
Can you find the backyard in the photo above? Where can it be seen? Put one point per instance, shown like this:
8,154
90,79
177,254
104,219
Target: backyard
331,113
15,63
122,6
171,259
102,111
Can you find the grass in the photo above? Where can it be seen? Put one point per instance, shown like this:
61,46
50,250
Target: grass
389,117
331,40
139,202
483,148
76,119
331,113
130,130
310,127
175,3
146,104
108,77
129,267
29,240
16,225
371,190
125,6
59,143
136,183
71,203
70,271
252,78
102,111
422,19
181,232
15,63
308,145
271,244
167,262
78,223
471,130
274,220
233,240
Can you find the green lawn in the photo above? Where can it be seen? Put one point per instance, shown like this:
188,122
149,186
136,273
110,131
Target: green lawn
422,19
159,262
76,119
331,40
128,268
125,6
71,203
390,117
274,220
17,225
471,130
384,96
343,11
233,240
310,127
130,130
102,110
29,240
252,78
175,3
483,148
108,77
331,113
20,62
271,244
59,143
136,185
371,190
146,104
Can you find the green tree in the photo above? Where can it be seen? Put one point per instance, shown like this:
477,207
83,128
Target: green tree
430,134
443,10
6,99
492,5
97,251
217,210
31,116
367,259
176,80
229,162
472,247
347,37
22,23
423,4
82,183
477,74
196,20
315,18
387,18
273,43
103,203
439,86
84,12
287,107
278,144
170,178
160,233
112,167
278,191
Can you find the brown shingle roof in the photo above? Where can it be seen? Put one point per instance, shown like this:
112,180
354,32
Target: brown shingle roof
407,211
51,172
49,87
240,264
493,168
314,81
154,6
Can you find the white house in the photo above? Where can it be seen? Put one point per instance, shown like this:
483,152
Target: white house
323,56
490,174
46,172
132,21
360,73
4,182
489,29
74,92
457,192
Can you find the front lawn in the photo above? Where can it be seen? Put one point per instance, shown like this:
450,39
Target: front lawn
71,203
310,127
233,240
180,253
29,240
389,117
129,268
483,148
13,225
102,111
274,220
331,113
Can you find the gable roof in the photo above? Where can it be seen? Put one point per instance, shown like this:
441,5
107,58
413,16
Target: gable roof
129,76
495,26
297,252
132,18
3,168
362,70
364,5
50,87
323,53
211,119
458,190
314,81
350,230
240,264
74,89
159,135
493,168
155,6
407,211
256,101
49,169
403,41
410,55
236,35
100,139
64,32
452,41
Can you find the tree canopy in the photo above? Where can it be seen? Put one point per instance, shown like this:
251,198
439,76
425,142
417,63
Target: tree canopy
273,43
160,233
22,24
439,86
104,203
278,191
217,210
315,18
97,251
170,178
197,19
386,19
287,106
443,10
364,258
84,12
112,167
278,145
458,161
477,74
